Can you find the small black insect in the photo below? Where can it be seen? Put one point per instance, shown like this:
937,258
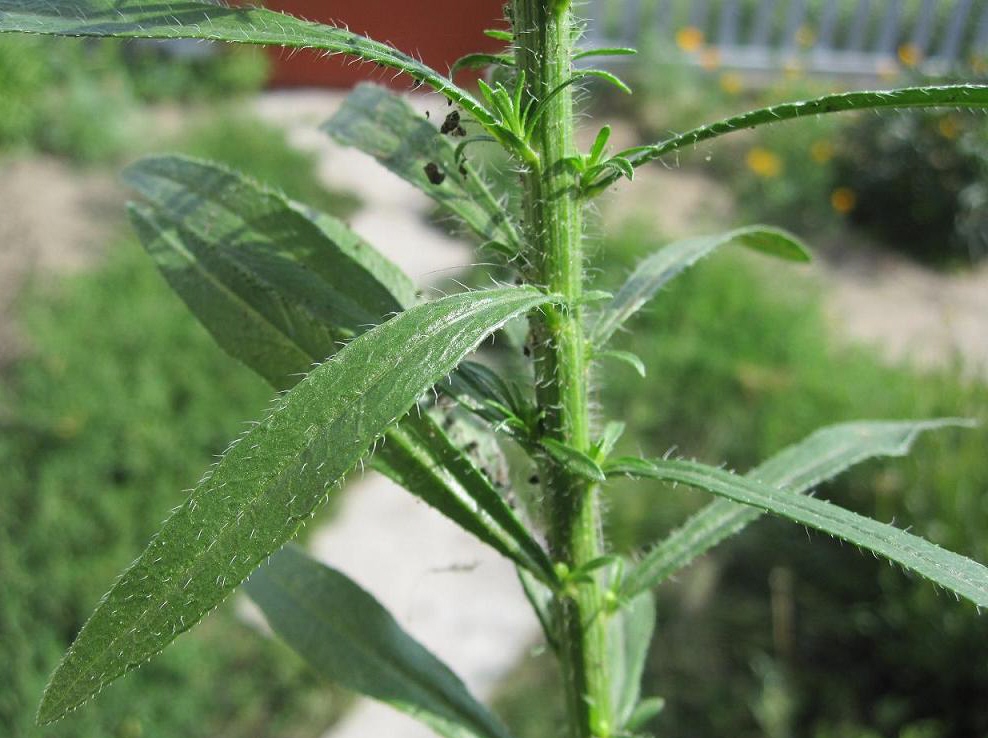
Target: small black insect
463,171
527,351
434,173
451,123
471,447
427,115
534,479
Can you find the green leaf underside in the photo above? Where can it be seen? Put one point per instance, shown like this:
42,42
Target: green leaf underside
348,637
666,263
629,634
277,290
218,22
421,457
231,210
964,96
270,481
796,469
573,460
963,576
267,280
381,124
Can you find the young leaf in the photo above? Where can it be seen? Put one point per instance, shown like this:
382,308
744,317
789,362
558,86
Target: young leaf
382,124
607,51
965,577
270,481
625,357
573,460
209,20
950,96
629,634
479,61
478,507
659,268
348,637
797,469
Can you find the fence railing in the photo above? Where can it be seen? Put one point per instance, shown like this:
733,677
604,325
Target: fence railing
858,37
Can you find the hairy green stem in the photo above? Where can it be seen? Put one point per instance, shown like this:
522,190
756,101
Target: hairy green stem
544,36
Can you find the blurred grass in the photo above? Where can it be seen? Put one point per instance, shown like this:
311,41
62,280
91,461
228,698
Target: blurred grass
119,406
740,365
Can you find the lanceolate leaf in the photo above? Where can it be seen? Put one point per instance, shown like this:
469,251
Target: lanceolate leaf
347,636
629,634
382,124
271,480
671,260
956,573
821,456
278,290
951,96
231,211
217,22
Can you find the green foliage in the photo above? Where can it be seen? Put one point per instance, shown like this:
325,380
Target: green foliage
278,284
345,634
78,98
865,638
270,481
96,453
918,182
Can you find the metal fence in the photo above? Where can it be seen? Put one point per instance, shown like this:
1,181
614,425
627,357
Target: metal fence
858,37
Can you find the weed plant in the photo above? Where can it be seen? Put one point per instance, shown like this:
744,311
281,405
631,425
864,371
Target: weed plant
282,287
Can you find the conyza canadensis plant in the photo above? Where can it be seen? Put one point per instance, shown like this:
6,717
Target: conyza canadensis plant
351,348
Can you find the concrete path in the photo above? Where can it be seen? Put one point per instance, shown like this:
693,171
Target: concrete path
454,594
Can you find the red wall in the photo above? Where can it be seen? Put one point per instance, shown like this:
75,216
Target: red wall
437,31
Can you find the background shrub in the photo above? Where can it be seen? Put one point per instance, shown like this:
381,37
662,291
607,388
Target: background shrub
121,403
919,182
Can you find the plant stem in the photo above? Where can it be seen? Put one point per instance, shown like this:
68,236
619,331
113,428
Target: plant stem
544,35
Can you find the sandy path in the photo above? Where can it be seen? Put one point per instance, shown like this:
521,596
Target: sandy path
53,220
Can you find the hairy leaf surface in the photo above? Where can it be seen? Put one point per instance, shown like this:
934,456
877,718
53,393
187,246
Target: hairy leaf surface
950,96
347,636
961,575
381,124
269,287
669,261
796,469
218,22
270,481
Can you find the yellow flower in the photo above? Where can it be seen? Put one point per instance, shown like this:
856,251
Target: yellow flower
764,163
689,38
909,55
805,37
843,200
822,151
948,127
731,83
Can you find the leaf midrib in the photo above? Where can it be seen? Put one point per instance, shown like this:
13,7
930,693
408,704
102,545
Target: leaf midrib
249,503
